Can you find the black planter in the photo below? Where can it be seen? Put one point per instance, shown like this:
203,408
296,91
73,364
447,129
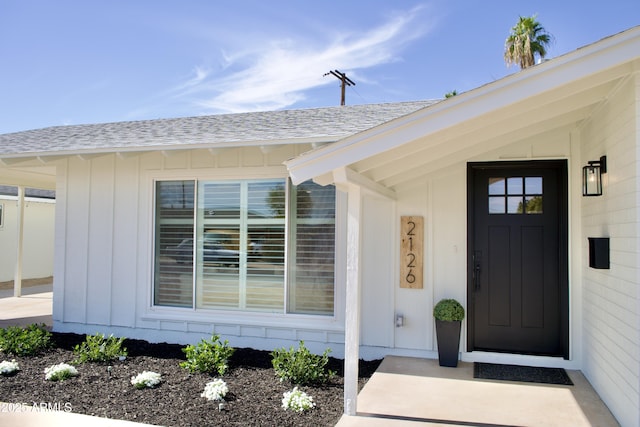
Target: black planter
448,334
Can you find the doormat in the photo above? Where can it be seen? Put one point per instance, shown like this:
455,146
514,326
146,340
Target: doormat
531,374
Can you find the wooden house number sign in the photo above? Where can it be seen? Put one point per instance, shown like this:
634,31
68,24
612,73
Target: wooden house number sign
411,251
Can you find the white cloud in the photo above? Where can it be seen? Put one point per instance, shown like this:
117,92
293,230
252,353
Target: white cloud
275,74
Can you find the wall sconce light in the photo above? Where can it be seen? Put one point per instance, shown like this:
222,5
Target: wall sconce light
592,177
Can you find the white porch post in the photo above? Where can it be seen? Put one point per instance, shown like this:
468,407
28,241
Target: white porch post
352,307
17,277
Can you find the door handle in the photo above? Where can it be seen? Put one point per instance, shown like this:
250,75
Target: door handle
477,267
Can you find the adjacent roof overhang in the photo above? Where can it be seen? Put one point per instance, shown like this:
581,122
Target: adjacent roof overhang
48,156
313,127
29,157
556,94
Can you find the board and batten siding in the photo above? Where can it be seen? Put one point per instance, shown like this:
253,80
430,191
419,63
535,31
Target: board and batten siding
611,354
104,250
378,277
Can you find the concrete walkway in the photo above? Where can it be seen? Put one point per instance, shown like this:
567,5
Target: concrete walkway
33,307
411,392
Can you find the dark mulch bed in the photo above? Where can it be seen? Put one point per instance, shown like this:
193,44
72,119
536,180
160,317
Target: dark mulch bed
254,398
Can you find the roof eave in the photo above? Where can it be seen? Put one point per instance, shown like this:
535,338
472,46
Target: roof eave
46,156
605,54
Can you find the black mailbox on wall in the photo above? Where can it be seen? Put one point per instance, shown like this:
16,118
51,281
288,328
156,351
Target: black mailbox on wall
599,252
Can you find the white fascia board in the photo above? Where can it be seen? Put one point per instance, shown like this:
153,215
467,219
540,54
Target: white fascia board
43,156
596,58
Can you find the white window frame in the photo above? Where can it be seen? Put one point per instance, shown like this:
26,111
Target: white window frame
235,318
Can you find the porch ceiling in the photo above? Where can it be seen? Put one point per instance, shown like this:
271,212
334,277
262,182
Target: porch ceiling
529,120
42,177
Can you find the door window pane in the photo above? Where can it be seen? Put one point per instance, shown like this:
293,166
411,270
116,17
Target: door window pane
533,185
496,205
515,205
515,195
496,186
514,185
534,204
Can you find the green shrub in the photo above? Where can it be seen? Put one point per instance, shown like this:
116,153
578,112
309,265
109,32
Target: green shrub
448,310
300,366
208,356
28,341
97,348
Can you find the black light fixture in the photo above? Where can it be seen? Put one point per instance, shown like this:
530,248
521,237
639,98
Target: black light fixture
592,177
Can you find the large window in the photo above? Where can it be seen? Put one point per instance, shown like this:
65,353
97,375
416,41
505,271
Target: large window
253,245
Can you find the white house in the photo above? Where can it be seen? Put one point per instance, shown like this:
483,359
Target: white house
268,228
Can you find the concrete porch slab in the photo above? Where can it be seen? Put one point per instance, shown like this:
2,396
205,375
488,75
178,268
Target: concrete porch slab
408,392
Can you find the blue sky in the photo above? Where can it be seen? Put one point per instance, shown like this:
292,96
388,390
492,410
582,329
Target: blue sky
74,62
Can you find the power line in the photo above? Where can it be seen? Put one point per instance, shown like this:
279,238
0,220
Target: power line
345,81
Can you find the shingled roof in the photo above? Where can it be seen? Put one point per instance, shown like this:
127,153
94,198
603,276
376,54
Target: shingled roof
258,128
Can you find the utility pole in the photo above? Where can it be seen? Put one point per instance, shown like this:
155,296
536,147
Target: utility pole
346,81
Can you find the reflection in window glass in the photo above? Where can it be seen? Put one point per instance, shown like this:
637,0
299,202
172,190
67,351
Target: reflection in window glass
239,222
174,243
514,205
220,200
496,186
514,185
533,185
515,195
496,205
312,255
231,256
534,204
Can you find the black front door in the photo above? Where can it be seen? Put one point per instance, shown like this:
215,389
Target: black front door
517,275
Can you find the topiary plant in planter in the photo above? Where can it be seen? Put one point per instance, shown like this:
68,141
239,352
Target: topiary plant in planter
448,314
448,310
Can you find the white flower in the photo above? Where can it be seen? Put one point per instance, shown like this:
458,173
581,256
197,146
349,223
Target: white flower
215,390
8,368
146,379
61,371
297,400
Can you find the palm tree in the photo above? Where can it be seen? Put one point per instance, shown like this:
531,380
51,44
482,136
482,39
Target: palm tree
527,39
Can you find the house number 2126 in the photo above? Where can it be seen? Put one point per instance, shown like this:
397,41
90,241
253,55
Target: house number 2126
411,251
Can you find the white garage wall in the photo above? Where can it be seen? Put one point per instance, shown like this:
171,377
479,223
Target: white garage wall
39,216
